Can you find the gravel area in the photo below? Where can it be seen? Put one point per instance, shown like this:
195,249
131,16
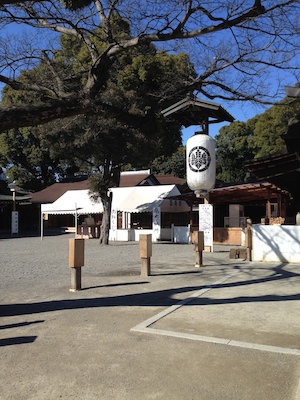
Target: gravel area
58,344
30,261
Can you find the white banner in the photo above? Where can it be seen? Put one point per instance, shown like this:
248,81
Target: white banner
113,224
206,223
156,220
14,222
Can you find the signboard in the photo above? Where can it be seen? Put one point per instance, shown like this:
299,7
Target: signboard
156,221
14,222
206,223
113,224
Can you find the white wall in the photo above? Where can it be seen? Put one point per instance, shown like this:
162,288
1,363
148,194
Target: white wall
181,234
128,235
276,243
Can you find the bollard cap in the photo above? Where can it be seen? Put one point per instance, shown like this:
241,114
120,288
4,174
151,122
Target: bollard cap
76,253
145,245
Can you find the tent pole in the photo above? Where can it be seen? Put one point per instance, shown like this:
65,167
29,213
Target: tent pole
42,224
75,220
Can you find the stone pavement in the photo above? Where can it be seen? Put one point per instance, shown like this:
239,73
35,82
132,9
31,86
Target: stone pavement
227,331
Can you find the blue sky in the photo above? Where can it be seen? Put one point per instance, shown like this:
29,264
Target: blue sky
241,111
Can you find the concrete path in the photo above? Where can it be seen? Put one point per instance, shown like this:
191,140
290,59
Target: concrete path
227,331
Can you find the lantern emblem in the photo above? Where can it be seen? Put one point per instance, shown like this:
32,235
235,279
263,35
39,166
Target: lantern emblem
199,159
200,163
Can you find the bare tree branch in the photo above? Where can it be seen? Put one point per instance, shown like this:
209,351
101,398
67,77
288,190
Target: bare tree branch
235,48
18,85
58,109
10,2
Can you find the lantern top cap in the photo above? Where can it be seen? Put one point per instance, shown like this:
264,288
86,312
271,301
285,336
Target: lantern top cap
292,91
193,111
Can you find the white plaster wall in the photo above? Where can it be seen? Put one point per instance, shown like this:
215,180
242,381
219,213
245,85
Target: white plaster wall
181,234
276,243
138,232
122,235
127,235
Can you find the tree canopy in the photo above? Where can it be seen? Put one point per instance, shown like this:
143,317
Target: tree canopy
269,127
102,142
136,84
174,164
233,148
236,48
259,137
26,160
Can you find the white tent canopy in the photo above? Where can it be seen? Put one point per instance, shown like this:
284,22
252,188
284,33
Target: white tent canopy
74,202
146,198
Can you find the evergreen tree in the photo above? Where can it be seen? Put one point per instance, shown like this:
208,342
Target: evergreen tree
174,164
233,148
269,127
259,137
128,128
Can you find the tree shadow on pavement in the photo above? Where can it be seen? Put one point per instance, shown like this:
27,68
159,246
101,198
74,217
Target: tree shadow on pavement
17,340
166,297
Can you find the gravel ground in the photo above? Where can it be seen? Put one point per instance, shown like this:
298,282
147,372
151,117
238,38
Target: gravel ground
30,261
34,270
57,344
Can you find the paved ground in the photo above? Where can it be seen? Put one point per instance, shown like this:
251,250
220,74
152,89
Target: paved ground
227,331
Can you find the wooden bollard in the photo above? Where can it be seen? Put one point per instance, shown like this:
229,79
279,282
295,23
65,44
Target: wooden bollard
145,254
249,238
76,261
198,238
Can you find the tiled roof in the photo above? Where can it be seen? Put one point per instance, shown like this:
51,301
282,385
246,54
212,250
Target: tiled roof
169,179
237,194
130,180
53,192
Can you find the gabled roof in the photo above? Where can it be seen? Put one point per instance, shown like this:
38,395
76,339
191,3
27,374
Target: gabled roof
245,193
292,136
238,194
127,179
282,170
135,178
169,179
192,111
274,165
53,192
8,199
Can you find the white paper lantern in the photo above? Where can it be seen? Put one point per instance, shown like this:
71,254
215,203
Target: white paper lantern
200,163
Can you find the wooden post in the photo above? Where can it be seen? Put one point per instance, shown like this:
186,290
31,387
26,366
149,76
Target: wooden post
198,237
75,279
268,219
76,261
249,238
279,207
145,254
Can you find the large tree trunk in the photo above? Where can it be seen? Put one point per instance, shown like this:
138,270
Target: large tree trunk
104,234
108,176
